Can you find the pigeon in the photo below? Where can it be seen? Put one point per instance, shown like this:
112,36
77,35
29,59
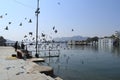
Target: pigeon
9,22
25,36
30,33
20,24
5,13
43,35
1,16
56,31
30,21
72,29
58,3
53,27
6,28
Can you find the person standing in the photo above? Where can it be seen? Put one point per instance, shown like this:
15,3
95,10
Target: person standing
22,46
16,45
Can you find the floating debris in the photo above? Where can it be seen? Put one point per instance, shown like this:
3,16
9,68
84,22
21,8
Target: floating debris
82,62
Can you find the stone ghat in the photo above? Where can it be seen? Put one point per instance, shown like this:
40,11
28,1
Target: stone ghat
12,68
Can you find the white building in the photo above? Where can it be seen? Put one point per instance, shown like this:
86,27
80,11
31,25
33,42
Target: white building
105,41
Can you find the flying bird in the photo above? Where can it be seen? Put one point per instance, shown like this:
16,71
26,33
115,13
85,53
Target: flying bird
30,21
5,13
56,31
43,35
25,36
30,33
20,24
53,27
25,18
33,38
9,22
1,16
6,28
72,29
58,3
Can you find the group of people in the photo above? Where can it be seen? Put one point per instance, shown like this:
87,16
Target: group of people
24,49
17,46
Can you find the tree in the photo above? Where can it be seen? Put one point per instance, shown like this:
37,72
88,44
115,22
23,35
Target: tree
2,41
95,39
92,39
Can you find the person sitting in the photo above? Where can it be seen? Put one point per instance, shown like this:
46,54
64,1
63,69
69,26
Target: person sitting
22,46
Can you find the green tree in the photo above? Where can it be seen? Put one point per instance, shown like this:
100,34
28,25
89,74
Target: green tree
92,39
2,41
95,39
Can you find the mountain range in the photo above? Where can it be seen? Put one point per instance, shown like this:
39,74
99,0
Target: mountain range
9,41
74,38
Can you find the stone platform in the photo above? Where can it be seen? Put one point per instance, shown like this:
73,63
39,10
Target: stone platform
12,68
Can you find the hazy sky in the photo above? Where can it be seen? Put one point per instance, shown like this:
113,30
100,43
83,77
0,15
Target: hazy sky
86,17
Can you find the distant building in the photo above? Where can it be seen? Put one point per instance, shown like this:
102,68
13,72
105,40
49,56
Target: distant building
105,41
117,34
117,38
9,43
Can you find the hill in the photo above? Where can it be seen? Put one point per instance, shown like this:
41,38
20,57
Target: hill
74,38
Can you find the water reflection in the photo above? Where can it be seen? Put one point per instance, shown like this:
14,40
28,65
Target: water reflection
116,51
77,62
110,49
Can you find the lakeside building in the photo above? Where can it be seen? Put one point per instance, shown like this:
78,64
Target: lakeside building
105,41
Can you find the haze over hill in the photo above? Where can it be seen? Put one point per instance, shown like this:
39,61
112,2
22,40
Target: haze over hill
9,41
75,38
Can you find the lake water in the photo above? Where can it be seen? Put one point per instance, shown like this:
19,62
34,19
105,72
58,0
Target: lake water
86,62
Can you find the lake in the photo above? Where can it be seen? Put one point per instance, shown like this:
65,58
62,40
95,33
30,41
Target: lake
77,62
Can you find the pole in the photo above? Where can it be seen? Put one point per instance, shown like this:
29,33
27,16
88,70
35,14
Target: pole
37,12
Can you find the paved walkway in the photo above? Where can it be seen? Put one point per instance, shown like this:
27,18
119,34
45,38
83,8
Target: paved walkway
12,68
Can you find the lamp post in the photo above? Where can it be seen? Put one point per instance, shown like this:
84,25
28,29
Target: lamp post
36,13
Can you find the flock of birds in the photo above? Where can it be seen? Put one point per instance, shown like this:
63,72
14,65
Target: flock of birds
9,23
42,36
